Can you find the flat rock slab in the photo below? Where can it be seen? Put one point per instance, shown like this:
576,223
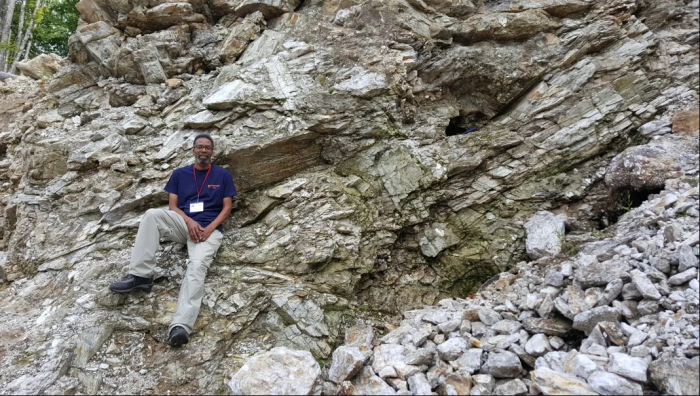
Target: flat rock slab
676,376
600,274
550,327
281,371
612,384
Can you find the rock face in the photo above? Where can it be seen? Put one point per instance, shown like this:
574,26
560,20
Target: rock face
280,371
626,351
388,155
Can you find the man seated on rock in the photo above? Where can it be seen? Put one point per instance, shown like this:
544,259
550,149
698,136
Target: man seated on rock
200,200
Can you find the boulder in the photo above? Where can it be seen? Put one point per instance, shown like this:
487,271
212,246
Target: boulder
545,232
347,361
502,365
281,371
675,375
43,65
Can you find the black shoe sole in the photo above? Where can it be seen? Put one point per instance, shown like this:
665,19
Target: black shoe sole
145,288
178,340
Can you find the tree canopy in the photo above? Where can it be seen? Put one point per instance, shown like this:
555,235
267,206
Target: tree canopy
55,23
33,27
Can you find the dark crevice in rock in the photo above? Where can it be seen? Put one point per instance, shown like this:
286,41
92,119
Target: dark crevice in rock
621,201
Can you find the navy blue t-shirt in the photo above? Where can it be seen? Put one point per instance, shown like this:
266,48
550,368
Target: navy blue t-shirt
218,185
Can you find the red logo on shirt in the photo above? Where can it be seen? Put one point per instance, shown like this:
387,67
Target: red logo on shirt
213,185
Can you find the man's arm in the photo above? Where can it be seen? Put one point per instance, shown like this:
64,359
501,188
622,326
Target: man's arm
219,219
195,230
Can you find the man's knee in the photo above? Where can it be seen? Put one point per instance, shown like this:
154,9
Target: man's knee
153,212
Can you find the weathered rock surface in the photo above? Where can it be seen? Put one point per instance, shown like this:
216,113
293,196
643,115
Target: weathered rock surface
388,155
41,66
280,371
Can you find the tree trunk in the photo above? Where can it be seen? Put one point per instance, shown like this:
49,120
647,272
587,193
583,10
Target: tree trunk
6,31
26,43
18,39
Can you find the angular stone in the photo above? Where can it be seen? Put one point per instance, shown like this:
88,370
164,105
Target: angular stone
470,361
502,365
538,345
387,355
347,361
545,307
449,326
368,383
551,382
511,387
452,349
586,321
550,327
418,384
675,375
489,317
612,290
420,357
281,371
630,292
647,307
629,367
544,234
580,365
683,277
507,326
600,274
457,383
524,356
644,285
686,258
485,380
612,384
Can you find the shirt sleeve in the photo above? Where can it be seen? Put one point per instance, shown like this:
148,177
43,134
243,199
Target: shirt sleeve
229,187
171,187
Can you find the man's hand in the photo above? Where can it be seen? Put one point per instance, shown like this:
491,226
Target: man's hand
195,230
206,233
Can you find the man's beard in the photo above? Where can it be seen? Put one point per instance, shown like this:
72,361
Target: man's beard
203,159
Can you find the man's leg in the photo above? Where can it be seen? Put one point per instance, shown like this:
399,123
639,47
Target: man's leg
192,289
156,224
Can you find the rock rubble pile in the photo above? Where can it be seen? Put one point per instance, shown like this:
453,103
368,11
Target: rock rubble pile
621,317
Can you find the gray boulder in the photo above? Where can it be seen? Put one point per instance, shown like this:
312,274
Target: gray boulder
544,234
281,371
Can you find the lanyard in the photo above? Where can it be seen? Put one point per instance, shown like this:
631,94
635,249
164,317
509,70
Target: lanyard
199,190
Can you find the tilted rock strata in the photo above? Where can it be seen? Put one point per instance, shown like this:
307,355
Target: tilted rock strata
333,119
626,351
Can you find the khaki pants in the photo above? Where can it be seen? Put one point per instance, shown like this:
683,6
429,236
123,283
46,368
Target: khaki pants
162,223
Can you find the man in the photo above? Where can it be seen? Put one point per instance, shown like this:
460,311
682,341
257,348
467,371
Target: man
200,200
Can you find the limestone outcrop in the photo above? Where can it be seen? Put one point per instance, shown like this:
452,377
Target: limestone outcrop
518,335
388,155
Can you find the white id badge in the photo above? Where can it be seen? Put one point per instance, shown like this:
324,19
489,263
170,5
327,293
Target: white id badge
197,207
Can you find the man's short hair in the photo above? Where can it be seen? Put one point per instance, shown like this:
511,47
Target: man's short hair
205,136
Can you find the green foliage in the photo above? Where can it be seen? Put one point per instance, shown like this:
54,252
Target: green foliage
55,22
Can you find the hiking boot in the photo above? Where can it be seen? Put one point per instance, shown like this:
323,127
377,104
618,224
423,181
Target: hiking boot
178,337
131,282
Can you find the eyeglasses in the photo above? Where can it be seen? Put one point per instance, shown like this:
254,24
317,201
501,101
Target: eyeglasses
200,147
